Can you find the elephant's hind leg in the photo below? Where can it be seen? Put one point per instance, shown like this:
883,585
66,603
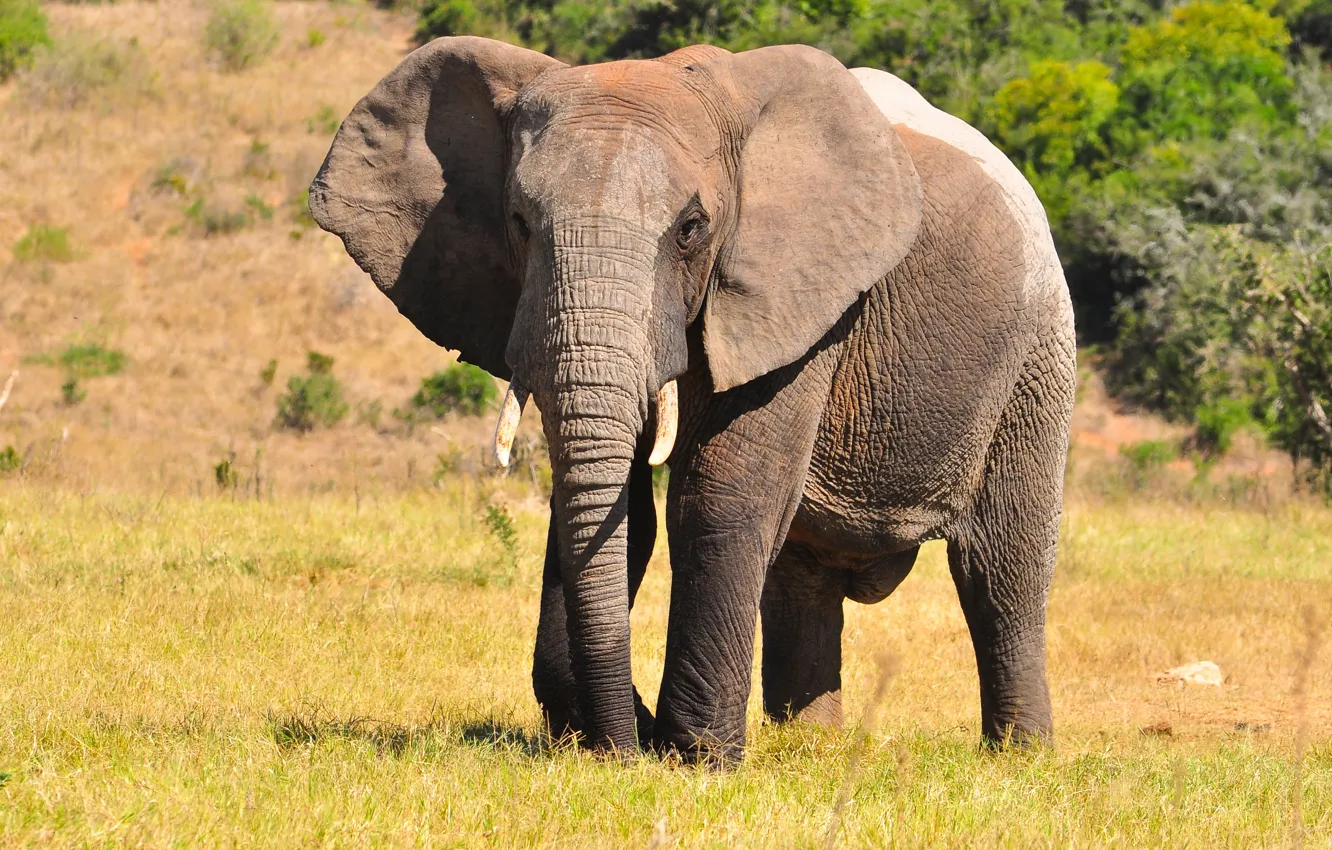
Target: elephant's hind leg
801,612
1002,558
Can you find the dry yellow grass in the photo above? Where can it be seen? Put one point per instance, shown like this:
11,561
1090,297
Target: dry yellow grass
308,672
345,662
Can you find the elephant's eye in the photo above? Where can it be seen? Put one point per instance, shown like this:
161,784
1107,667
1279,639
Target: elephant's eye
520,225
691,233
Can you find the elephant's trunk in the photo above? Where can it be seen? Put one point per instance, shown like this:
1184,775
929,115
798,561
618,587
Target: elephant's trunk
592,449
582,347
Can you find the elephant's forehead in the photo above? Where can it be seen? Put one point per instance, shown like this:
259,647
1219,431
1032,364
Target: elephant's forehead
653,95
625,172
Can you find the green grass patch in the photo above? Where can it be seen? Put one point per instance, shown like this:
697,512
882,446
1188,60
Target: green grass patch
90,360
44,243
325,121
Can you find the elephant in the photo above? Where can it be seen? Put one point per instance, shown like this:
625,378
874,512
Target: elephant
835,311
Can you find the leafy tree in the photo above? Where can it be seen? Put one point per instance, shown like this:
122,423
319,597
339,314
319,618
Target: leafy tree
1054,124
1204,69
22,31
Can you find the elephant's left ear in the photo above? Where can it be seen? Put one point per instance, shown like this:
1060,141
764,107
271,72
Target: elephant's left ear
829,203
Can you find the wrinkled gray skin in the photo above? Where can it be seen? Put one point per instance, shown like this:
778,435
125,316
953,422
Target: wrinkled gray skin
864,360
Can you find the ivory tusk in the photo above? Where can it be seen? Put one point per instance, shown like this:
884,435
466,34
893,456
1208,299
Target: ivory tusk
506,428
668,419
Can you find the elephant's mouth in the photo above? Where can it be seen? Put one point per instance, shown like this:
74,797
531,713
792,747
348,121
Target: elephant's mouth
515,399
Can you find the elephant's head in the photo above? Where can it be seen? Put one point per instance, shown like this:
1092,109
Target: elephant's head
565,227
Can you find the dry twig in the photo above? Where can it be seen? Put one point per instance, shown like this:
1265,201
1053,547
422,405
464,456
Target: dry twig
9,385
887,669
1314,626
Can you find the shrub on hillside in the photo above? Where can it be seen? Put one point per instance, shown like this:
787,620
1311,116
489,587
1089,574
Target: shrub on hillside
10,460
22,31
79,70
461,388
172,178
214,220
72,393
313,399
326,121
239,33
44,243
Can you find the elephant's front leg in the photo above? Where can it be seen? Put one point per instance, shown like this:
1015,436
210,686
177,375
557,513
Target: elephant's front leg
552,673
736,482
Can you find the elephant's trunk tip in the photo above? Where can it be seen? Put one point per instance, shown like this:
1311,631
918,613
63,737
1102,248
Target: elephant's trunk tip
668,420
506,428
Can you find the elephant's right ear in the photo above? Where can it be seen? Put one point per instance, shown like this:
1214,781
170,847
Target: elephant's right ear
414,186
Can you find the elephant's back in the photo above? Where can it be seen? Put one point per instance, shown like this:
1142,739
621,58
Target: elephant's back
901,104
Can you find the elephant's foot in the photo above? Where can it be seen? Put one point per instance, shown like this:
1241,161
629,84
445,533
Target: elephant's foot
1026,727
1013,738
702,750
824,710
563,724
691,739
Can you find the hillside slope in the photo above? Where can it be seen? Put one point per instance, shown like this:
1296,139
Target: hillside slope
198,314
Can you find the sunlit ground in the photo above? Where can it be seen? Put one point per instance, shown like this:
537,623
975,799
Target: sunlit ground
209,672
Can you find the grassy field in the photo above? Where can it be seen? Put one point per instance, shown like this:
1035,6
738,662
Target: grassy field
333,649
318,672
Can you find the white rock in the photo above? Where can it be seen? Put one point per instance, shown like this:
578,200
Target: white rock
1197,673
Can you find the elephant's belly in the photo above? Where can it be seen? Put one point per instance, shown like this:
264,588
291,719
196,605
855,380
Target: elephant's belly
851,533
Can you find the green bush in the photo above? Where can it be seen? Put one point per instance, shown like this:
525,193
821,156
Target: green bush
226,474
239,33
44,243
10,460
22,31
268,373
216,221
172,178
72,393
258,207
1204,69
461,388
258,161
1149,455
300,209
1218,423
325,121
313,399
446,17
